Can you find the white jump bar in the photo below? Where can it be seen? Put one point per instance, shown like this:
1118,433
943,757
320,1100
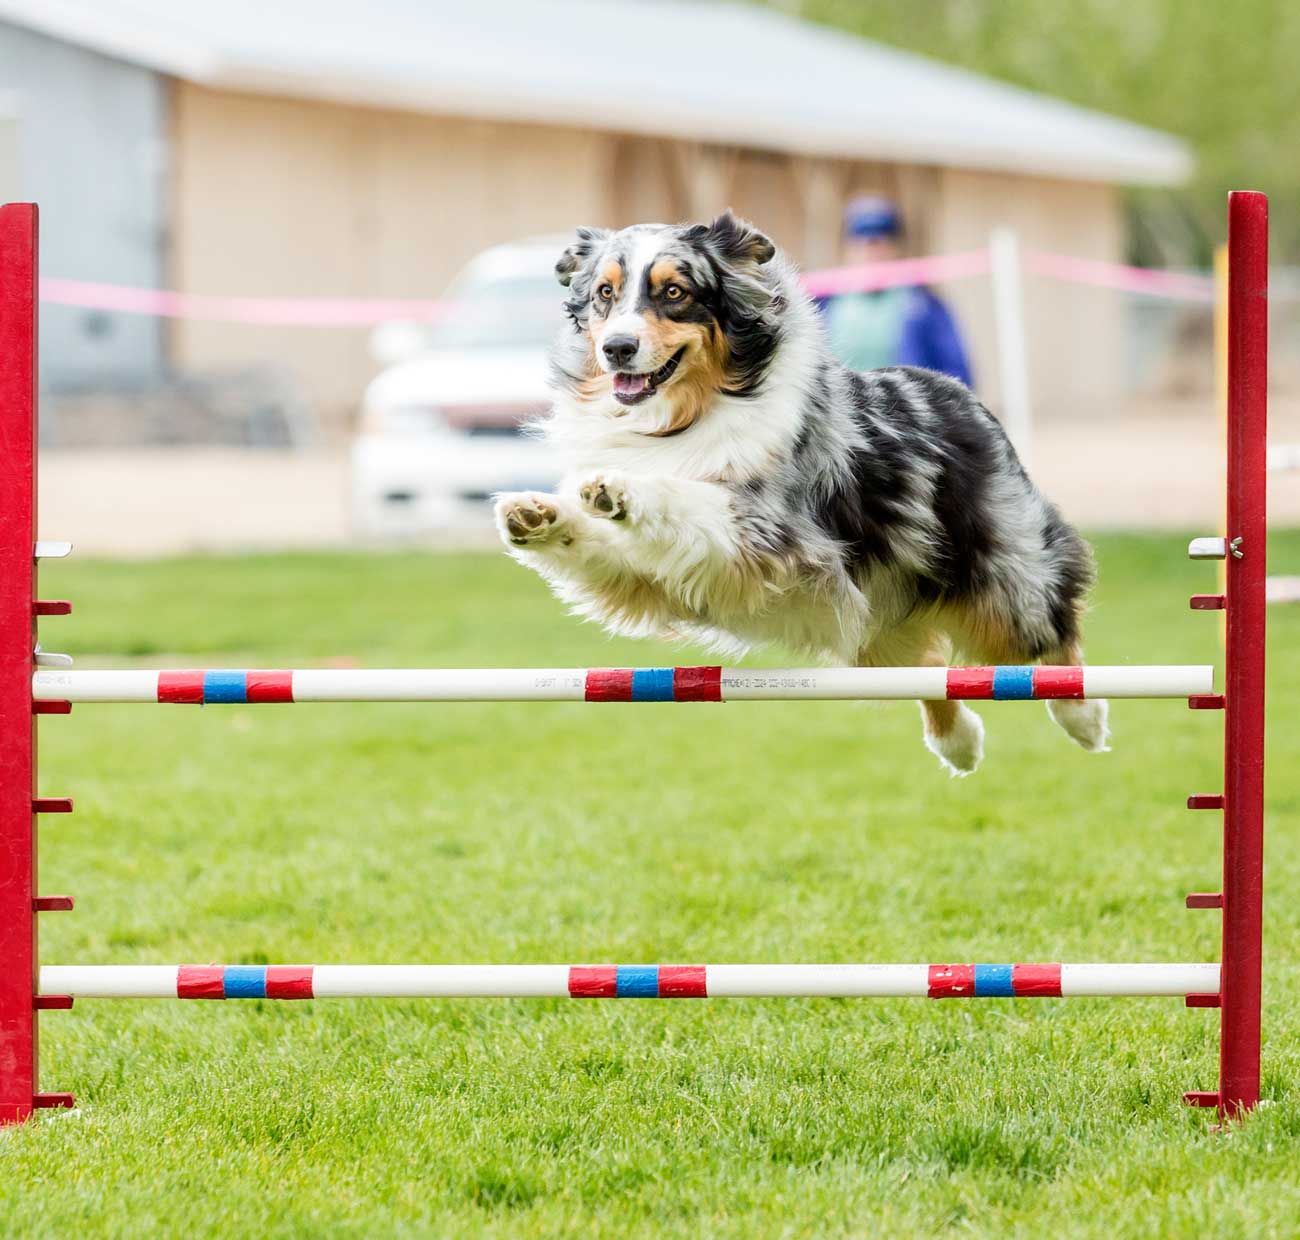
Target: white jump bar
626,981
622,684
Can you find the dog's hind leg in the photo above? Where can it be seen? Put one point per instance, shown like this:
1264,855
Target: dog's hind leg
992,637
1085,722
953,732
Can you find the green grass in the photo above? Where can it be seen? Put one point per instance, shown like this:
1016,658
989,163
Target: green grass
813,832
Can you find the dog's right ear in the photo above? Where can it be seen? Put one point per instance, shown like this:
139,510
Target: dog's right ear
578,253
738,241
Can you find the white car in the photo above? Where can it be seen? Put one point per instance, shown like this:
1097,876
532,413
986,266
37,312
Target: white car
441,429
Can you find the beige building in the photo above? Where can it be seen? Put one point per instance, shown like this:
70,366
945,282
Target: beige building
325,148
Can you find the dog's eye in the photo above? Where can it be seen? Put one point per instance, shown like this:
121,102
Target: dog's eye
605,292
674,292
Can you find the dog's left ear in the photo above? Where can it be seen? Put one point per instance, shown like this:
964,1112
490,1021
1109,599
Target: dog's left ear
578,253
737,241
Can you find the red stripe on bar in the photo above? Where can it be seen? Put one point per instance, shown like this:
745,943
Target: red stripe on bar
682,981
970,682
268,686
952,981
200,981
697,684
1036,979
609,684
181,687
1058,682
593,981
289,981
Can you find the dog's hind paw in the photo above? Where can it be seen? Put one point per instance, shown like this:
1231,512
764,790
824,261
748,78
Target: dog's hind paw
605,495
527,518
961,748
1084,722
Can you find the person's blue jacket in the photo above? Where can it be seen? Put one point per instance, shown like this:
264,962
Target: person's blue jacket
925,334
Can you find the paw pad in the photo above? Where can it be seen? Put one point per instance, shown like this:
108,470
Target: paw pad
604,499
528,518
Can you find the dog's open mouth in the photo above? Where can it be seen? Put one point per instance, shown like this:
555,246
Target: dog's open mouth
630,389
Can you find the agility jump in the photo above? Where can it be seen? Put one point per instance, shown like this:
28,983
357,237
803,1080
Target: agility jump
33,683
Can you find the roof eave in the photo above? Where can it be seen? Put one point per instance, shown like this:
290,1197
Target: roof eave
1154,159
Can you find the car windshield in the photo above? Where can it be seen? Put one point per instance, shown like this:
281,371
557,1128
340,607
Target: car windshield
520,313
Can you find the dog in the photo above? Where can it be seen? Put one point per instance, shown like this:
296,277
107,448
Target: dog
730,482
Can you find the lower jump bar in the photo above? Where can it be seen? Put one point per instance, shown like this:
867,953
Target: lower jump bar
652,684
935,981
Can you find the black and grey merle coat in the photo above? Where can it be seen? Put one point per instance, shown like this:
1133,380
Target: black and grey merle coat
876,518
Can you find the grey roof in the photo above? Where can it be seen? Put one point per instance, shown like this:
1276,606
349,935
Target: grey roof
719,72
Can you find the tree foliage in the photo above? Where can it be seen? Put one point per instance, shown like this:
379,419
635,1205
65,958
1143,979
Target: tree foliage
1222,75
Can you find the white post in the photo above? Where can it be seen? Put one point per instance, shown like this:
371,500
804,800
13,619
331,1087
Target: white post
1013,355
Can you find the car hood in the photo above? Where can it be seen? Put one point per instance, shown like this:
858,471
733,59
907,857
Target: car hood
480,377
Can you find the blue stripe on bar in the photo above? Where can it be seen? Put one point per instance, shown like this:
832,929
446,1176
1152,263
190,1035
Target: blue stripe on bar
244,981
652,684
225,687
637,981
1012,684
993,981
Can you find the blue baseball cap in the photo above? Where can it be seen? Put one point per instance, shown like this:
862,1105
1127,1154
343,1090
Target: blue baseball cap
871,217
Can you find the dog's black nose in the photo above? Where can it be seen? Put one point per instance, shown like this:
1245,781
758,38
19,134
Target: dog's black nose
620,349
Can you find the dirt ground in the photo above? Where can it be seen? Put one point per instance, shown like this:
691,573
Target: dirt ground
1159,468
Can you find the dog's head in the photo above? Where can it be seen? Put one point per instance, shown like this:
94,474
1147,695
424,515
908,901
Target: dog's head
667,317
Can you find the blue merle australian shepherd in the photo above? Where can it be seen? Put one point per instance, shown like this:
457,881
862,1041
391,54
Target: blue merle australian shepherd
730,481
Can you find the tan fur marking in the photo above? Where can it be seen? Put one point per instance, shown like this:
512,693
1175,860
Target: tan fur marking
611,273
700,374
750,583
630,600
941,717
985,634
922,642
664,272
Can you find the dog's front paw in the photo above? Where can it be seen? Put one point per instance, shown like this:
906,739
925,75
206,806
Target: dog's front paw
528,518
605,495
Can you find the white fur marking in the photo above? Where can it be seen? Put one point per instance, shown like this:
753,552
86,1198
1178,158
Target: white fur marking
961,748
1085,723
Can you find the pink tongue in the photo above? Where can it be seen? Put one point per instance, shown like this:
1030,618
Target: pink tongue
630,385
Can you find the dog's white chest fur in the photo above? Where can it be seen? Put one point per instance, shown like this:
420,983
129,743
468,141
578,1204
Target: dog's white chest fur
648,540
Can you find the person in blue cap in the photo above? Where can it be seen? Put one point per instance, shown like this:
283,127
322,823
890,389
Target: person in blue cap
902,326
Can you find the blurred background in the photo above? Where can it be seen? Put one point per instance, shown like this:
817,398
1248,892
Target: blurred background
297,257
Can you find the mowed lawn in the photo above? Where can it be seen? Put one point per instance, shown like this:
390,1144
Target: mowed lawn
564,832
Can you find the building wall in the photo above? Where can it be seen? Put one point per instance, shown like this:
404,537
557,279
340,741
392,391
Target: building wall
1074,332
280,197
90,150
276,197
